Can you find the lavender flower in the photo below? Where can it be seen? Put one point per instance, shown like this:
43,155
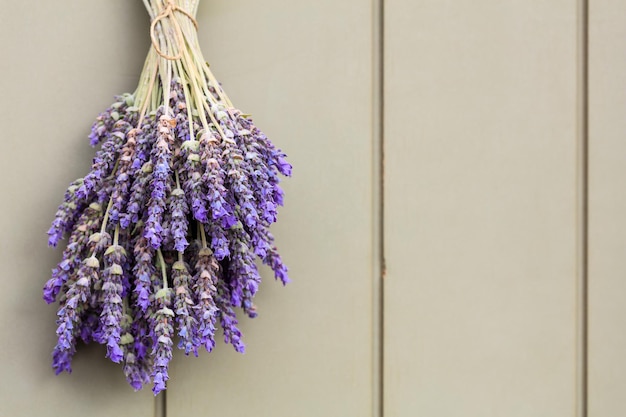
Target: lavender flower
183,307
66,214
219,240
191,187
136,372
180,111
138,196
123,179
244,275
143,333
105,120
274,260
111,316
154,231
192,252
273,158
145,139
136,368
88,222
179,222
163,331
227,317
99,242
89,325
191,174
104,161
214,177
143,271
258,171
207,269
242,191
69,315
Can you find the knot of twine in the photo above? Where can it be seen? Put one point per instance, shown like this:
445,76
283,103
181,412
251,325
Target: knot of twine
169,10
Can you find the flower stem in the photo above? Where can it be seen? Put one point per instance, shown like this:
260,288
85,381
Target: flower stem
163,268
177,180
187,103
149,96
106,216
203,235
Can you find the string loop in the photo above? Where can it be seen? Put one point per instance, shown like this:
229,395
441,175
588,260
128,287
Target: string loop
168,12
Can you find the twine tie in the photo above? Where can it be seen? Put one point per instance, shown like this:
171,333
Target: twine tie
168,12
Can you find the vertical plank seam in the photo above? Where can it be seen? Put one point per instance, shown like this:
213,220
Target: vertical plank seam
583,317
378,258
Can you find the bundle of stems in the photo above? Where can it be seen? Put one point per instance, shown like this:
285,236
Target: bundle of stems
164,231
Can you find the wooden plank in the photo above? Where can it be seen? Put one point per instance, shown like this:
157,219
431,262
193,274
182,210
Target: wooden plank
607,205
61,65
481,208
304,71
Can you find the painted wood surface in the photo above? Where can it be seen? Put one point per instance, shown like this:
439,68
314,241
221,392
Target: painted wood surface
481,219
303,69
62,63
482,205
607,208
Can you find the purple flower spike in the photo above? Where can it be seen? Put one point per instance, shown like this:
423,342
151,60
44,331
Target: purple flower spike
179,222
138,197
143,271
145,139
213,177
162,345
228,318
123,179
192,180
86,225
274,260
244,275
183,307
104,161
70,315
191,187
66,214
137,373
120,110
112,288
207,270
180,110
238,182
219,240
136,367
284,167
159,184
260,177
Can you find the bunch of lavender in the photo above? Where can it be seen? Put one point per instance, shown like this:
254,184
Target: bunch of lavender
164,231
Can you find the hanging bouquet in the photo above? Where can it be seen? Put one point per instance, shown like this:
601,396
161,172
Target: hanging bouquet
163,232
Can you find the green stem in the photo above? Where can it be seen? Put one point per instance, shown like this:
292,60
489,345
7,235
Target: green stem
187,103
150,94
191,34
106,216
163,268
203,235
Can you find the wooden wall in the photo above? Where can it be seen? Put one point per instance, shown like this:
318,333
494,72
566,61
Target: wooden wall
499,211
